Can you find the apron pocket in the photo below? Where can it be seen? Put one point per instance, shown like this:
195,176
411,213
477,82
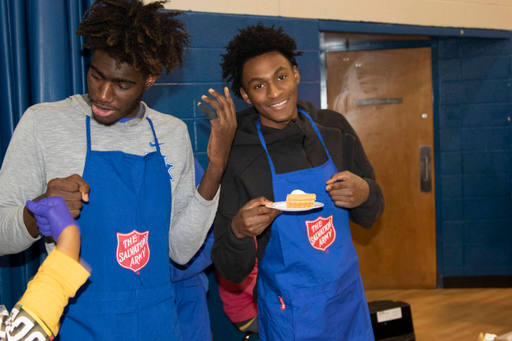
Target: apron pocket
332,311
148,314
159,321
275,324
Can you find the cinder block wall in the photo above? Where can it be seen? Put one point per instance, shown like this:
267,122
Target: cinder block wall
475,156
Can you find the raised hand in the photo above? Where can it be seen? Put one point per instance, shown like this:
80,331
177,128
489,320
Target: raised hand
52,216
223,128
253,218
347,190
221,139
73,189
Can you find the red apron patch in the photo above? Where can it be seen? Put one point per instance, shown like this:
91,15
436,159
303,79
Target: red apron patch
321,232
133,250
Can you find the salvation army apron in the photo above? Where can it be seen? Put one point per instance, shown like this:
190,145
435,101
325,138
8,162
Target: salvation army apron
309,283
125,240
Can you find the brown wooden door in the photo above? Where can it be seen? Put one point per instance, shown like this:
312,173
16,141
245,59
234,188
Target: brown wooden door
399,251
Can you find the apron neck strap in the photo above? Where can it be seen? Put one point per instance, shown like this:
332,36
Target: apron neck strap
316,130
88,128
264,144
154,134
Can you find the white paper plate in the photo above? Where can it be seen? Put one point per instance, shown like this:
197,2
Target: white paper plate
281,205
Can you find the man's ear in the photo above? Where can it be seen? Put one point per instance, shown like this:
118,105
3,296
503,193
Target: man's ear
150,81
244,96
296,74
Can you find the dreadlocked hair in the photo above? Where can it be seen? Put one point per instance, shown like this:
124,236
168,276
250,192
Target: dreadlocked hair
254,41
146,37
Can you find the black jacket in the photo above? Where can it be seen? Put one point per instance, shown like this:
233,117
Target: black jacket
292,148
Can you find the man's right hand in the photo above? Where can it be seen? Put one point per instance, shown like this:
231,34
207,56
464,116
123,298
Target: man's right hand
253,218
73,189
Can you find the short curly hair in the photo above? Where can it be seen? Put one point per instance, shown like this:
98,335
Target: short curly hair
147,37
254,41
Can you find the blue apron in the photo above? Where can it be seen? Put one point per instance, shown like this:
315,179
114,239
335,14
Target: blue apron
125,240
309,283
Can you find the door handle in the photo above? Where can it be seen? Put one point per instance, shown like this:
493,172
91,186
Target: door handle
427,166
426,169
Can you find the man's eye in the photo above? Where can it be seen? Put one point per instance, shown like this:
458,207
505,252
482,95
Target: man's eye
281,77
259,86
95,76
122,87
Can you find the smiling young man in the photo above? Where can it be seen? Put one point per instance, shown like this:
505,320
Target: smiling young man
309,286
125,171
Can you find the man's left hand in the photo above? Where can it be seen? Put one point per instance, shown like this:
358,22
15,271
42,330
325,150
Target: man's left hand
347,190
223,128
221,139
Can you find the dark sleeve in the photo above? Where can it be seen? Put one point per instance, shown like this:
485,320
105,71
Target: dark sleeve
371,210
233,257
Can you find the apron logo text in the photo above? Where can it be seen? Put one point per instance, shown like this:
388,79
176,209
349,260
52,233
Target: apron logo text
133,250
321,232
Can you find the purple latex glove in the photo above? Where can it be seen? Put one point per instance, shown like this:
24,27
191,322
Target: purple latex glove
52,216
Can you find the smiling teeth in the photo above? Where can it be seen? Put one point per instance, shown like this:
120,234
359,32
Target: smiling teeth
278,104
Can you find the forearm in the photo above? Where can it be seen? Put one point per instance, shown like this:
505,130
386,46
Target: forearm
58,279
210,181
14,236
30,221
190,227
233,257
69,243
21,178
201,260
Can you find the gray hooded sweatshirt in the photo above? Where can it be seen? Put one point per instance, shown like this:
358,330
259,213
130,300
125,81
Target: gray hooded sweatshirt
50,142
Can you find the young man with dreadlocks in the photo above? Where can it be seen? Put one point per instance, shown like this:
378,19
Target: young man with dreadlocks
125,171
309,286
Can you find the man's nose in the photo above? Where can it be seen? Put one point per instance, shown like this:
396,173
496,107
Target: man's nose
273,91
106,92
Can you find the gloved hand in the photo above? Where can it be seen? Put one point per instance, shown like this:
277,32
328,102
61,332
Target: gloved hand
52,216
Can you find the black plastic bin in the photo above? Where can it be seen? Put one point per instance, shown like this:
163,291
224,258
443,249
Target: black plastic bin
391,321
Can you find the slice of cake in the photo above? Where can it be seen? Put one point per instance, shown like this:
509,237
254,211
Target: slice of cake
299,199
